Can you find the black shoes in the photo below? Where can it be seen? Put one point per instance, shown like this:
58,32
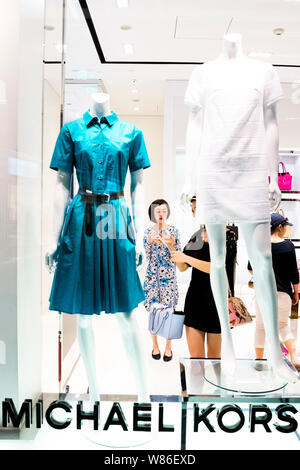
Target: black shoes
165,358
168,358
156,356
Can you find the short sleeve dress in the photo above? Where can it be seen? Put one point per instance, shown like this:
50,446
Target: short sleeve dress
97,272
160,283
232,168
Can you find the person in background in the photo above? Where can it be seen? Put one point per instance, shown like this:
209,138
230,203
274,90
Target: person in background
287,282
160,283
193,205
201,317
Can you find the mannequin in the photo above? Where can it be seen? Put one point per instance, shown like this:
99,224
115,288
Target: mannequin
234,156
100,108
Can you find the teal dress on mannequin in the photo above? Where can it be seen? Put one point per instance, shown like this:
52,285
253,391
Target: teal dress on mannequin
96,269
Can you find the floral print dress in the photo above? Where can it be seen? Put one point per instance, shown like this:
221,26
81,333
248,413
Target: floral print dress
160,265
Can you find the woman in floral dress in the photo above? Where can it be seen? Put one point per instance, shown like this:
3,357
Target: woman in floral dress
160,283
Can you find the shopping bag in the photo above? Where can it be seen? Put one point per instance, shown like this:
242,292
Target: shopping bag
165,321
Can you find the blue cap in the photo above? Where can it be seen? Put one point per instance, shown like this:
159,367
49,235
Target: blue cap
278,219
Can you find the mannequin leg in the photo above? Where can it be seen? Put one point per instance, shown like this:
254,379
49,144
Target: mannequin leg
219,284
131,340
85,336
260,334
257,237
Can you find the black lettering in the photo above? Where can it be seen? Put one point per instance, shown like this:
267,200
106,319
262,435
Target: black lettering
203,417
264,420
231,409
87,415
9,413
120,420
281,411
52,421
39,414
161,426
145,417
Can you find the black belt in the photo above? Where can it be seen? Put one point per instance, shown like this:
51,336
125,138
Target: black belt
91,198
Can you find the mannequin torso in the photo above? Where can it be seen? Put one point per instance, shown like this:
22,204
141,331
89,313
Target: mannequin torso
232,138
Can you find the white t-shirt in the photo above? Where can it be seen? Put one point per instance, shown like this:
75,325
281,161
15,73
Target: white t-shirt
232,168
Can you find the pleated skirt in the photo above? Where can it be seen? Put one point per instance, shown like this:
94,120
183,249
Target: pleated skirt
96,273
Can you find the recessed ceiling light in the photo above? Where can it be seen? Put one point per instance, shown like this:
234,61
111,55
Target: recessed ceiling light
122,3
125,27
260,54
128,48
278,31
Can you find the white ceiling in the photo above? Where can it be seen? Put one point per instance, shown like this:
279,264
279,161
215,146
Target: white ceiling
181,32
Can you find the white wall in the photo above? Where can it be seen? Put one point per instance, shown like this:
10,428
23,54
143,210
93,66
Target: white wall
21,56
9,34
29,196
50,131
152,128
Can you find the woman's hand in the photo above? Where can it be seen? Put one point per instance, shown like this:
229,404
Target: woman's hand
170,242
178,256
152,236
295,298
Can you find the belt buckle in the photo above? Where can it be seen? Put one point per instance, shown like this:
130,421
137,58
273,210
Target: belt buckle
107,196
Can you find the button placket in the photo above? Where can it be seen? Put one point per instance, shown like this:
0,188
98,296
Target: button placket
100,167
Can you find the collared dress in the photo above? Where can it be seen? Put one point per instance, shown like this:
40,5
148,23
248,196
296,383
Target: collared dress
97,272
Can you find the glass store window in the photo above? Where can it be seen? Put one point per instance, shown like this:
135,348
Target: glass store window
21,55
43,86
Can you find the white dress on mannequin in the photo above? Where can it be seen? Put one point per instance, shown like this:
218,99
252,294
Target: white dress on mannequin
232,168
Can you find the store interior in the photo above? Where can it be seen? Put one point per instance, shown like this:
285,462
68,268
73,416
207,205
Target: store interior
142,57
142,54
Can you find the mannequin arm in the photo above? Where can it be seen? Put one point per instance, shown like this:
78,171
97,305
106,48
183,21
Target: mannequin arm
193,142
138,208
62,192
272,146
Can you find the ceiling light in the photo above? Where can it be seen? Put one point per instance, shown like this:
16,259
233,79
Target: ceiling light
278,31
136,108
122,3
128,48
134,90
260,54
